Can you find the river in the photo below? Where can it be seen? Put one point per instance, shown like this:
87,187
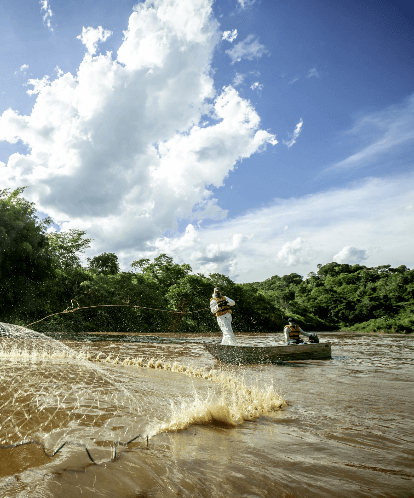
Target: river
337,428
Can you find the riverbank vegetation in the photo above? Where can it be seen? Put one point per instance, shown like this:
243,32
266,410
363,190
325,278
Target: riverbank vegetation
41,273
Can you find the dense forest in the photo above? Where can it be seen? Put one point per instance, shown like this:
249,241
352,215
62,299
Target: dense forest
41,274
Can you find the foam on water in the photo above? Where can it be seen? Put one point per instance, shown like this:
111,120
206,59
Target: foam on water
50,394
55,393
236,403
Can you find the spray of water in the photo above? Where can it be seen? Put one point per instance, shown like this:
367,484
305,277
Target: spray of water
54,393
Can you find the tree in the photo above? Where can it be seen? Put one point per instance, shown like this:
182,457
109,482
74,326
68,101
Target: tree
26,261
106,263
191,293
66,247
163,270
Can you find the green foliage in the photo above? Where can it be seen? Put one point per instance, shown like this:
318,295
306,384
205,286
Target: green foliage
66,247
25,260
162,270
191,293
342,296
104,264
388,325
42,273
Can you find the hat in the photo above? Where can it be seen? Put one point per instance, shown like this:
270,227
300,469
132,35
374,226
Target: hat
216,289
291,319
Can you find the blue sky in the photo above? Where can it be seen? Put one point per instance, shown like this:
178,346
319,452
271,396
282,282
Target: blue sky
251,138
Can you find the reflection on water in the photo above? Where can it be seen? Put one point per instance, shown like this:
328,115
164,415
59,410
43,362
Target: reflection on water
347,428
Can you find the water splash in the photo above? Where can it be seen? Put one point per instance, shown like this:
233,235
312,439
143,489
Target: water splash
55,392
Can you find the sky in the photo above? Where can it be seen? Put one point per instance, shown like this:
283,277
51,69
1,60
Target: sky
246,137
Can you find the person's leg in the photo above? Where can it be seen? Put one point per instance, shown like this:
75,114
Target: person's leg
224,322
222,325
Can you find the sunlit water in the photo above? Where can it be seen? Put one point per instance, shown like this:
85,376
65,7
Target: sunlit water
343,427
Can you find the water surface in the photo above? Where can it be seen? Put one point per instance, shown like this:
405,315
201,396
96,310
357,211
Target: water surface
344,427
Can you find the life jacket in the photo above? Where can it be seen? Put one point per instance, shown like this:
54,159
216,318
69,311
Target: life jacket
293,332
223,304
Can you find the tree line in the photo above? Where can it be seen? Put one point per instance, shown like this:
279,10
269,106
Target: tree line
42,273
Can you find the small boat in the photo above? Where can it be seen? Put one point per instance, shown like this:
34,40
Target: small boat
242,355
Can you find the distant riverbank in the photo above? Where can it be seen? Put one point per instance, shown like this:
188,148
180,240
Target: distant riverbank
218,335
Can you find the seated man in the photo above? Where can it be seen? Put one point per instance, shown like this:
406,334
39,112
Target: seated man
292,332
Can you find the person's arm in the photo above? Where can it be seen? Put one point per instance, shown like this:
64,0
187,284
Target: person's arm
311,335
230,301
286,331
213,306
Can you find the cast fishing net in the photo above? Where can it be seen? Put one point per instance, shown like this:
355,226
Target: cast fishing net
51,395
56,396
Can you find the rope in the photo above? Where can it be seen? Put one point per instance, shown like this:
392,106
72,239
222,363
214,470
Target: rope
71,310
51,455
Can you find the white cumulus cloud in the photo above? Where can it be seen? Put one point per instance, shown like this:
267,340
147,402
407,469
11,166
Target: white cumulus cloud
295,234
178,244
120,148
295,135
350,255
294,253
38,85
230,35
90,37
219,256
249,49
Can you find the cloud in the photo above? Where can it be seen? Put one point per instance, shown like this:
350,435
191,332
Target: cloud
249,49
209,258
389,131
295,135
22,68
294,253
45,6
230,35
312,73
245,3
38,85
121,148
294,80
59,72
90,37
190,237
257,86
350,255
238,79
295,234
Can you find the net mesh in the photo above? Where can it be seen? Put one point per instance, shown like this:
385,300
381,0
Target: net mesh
51,394
55,396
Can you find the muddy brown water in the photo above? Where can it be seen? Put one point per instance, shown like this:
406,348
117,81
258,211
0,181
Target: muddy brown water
343,428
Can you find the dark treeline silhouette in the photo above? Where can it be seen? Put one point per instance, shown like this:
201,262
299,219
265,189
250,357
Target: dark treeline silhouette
41,272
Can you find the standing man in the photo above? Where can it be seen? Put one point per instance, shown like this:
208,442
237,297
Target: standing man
220,306
292,332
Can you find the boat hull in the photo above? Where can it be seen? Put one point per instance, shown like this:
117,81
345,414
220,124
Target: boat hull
243,355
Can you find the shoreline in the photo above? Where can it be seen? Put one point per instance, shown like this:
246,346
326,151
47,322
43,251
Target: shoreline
343,333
